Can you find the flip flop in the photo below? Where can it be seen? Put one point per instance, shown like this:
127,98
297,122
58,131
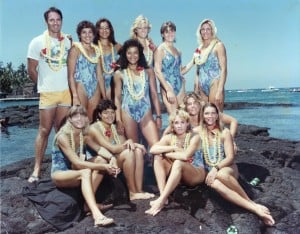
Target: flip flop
33,179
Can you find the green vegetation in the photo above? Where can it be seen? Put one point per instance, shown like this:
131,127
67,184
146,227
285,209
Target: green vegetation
13,81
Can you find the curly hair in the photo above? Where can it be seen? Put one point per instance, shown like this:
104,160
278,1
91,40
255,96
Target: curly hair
123,61
102,106
85,24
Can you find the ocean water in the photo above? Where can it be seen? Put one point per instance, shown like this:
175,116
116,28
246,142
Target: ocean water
279,110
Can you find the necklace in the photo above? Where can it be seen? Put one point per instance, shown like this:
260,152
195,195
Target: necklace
211,160
113,63
133,94
94,59
109,132
174,141
72,141
58,57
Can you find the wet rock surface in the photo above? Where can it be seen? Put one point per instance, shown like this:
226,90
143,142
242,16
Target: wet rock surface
191,210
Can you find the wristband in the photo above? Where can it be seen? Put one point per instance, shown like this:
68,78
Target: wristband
218,168
158,116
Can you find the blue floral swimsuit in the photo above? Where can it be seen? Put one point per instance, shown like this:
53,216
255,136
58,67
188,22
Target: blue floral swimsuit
171,70
136,109
85,73
209,71
211,151
107,62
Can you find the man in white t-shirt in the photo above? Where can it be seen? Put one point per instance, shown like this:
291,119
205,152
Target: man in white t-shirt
47,66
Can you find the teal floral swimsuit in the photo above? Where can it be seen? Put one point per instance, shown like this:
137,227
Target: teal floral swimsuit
171,66
209,71
107,62
136,109
85,73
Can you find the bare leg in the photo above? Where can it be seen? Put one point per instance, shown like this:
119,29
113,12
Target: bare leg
41,141
161,171
235,198
92,104
61,113
139,169
180,171
212,95
72,178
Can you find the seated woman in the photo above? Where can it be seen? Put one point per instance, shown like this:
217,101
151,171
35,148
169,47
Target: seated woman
222,172
69,169
129,155
182,159
193,104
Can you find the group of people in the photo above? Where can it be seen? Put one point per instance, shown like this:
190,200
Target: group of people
99,96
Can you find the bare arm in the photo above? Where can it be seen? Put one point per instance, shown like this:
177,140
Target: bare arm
96,140
221,54
228,149
72,59
163,146
189,152
154,96
63,143
232,122
32,69
101,80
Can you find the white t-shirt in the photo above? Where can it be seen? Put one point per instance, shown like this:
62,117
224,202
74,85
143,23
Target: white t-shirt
50,80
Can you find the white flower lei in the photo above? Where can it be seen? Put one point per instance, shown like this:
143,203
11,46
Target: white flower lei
102,57
140,94
82,50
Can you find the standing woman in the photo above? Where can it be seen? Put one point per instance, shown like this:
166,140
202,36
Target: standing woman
182,161
168,68
222,172
84,71
129,156
140,31
210,58
134,83
69,169
109,48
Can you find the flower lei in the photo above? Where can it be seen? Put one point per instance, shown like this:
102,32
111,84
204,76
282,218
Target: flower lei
211,160
201,54
83,51
108,133
72,141
140,94
46,52
186,143
113,65
149,55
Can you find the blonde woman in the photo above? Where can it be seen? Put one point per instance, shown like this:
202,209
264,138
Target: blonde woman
69,167
181,159
140,31
211,61
221,171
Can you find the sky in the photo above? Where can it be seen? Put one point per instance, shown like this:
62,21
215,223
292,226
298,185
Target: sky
262,37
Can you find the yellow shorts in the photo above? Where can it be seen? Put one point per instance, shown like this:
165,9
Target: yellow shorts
54,99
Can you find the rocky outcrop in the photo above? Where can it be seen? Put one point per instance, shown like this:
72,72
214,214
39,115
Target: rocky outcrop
191,210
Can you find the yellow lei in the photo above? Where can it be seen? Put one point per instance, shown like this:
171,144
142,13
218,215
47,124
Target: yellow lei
58,58
94,59
72,141
211,160
201,54
149,56
113,129
140,94
102,58
186,140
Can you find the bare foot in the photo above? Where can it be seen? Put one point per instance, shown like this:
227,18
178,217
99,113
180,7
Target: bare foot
153,202
156,207
103,221
264,213
140,196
